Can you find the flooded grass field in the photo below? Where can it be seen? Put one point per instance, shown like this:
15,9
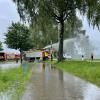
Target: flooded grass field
7,65
13,78
42,81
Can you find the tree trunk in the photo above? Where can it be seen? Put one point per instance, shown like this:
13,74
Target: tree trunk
60,52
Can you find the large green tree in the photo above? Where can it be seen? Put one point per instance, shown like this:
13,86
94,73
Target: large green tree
46,33
71,30
59,11
18,37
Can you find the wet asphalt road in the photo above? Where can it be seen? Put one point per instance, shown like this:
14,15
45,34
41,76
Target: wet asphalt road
48,83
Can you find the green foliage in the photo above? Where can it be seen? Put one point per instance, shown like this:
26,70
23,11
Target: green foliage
83,69
58,11
18,37
34,9
1,46
71,31
43,35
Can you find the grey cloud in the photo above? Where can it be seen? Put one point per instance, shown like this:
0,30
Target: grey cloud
8,14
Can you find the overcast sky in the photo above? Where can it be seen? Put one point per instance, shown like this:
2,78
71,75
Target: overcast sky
8,14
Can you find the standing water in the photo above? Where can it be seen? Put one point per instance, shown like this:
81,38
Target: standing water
7,95
48,83
9,65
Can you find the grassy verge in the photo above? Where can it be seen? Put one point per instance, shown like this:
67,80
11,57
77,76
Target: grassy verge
16,78
89,71
51,62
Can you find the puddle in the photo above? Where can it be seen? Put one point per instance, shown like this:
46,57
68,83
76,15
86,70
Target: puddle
7,95
48,83
9,65
11,93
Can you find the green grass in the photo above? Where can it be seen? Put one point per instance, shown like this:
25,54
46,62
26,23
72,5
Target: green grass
15,78
50,62
89,71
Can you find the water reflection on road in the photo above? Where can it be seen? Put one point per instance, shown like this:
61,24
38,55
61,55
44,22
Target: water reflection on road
48,83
